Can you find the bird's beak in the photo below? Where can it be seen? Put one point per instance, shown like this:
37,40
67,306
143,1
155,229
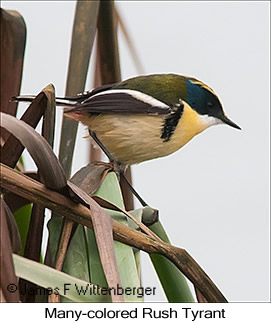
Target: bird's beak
229,122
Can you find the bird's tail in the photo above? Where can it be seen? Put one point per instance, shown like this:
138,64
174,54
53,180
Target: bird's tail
70,102
22,98
67,103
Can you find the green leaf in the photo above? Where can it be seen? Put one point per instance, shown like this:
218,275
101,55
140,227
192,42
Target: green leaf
22,217
95,265
48,277
173,281
76,260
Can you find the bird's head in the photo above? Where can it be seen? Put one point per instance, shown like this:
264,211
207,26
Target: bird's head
206,103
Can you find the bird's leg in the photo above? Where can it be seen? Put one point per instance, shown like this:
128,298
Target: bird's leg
151,219
140,199
98,142
113,162
155,213
117,168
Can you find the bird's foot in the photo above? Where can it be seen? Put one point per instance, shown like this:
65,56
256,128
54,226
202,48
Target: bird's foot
114,166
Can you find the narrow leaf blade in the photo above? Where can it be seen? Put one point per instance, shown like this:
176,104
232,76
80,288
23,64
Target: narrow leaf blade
48,277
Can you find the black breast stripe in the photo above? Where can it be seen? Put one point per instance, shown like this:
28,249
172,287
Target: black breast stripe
171,122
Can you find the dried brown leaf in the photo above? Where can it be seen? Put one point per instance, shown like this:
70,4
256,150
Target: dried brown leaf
89,178
83,34
13,149
8,282
41,152
13,36
12,227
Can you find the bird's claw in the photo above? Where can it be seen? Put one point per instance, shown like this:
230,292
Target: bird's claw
114,166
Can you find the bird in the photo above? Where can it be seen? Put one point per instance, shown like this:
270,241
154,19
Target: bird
145,117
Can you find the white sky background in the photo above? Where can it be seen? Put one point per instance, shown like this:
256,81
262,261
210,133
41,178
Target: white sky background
213,194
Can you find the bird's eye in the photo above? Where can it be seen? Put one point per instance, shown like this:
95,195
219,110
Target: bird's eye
210,104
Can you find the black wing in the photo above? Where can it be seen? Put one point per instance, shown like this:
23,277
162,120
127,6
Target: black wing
120,101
